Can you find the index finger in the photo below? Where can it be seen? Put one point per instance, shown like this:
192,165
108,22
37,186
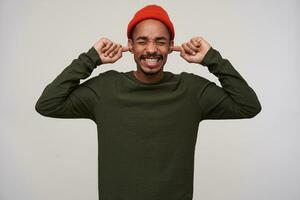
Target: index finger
176,48
124,49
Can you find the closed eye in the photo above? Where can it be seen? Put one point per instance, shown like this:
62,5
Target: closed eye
161,42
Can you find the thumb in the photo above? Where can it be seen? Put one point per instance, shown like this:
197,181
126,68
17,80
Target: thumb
103,42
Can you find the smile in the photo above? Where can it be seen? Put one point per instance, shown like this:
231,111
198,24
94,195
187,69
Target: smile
151,62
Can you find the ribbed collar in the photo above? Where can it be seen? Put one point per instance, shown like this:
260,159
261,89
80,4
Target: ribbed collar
167,75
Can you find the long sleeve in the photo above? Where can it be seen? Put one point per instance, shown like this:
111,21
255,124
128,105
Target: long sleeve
64,97
234,100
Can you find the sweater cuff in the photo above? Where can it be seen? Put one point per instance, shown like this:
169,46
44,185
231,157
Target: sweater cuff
211,57
94,56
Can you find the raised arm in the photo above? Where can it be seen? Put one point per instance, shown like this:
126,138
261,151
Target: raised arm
64,97
235,99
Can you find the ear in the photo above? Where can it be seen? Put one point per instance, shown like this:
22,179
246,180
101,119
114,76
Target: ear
130,45
171,45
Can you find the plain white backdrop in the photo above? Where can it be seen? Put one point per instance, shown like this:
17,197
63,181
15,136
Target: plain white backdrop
45,158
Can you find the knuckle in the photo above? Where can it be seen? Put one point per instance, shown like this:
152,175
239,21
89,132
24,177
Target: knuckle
107,40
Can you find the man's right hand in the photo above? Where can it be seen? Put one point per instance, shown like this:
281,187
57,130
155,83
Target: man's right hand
108,51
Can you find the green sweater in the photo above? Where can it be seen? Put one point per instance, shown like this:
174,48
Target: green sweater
147,132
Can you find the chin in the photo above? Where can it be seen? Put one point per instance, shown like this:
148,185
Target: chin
151,71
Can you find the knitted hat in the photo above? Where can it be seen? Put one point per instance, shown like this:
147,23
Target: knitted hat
151,12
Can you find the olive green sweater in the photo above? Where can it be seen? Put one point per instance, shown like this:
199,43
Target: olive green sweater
147,132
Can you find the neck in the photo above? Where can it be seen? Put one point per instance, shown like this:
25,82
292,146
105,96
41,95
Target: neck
152,78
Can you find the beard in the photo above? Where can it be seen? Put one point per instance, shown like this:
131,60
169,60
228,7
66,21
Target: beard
151,73
153,56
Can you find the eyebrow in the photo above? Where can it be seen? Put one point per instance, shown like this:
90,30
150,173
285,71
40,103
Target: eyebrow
141,38
145,38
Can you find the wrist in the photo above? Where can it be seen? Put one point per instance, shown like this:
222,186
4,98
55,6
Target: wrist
94,55
208,56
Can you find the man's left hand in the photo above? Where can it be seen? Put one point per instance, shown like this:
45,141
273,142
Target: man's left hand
194,50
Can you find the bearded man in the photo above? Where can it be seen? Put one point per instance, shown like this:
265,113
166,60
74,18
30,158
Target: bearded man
148,119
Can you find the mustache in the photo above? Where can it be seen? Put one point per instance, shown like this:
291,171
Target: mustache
151,55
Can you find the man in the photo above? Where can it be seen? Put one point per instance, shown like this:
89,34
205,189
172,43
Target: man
148,119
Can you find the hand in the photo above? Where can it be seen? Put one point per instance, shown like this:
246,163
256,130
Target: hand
194,50
108,51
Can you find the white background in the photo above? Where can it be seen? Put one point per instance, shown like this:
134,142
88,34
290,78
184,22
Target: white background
45,158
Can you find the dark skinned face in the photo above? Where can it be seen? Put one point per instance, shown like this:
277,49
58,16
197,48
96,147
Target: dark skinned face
150,45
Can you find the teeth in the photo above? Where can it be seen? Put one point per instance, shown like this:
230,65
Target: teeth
152,59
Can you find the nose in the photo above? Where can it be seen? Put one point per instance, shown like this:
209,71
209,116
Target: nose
151,48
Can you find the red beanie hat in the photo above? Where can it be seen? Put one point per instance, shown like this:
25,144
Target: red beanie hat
151,12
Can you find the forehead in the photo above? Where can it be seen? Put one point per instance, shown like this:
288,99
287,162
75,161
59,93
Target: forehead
151,29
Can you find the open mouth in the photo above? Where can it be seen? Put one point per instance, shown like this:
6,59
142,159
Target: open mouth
151,62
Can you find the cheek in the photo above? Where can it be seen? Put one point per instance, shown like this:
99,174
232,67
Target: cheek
137,51
164,51
136,56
